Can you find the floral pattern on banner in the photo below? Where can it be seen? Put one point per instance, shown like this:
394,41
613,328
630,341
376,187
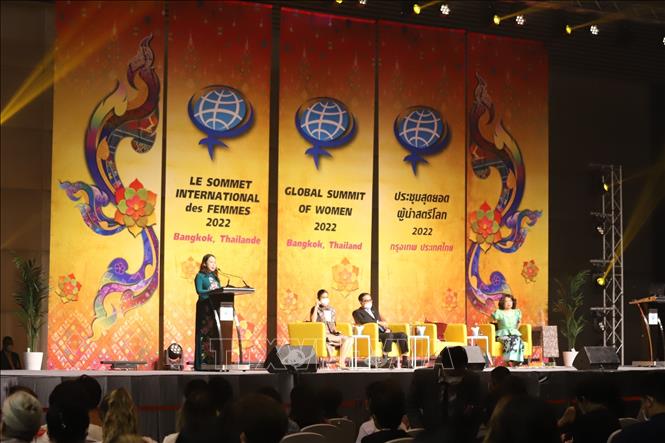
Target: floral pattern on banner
530,271
345,277
68,288
486,225
135,207
189,268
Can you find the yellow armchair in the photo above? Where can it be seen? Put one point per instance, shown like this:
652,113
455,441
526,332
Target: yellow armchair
309,334
525,330
376,348
496,349
455,335
489,330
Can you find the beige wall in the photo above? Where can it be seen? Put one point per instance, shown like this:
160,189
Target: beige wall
25,164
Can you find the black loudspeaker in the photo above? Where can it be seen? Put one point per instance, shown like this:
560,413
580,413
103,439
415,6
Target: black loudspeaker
476,358
598,357
291,359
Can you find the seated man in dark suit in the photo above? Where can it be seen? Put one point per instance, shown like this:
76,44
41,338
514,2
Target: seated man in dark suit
653,406
367,314
10,359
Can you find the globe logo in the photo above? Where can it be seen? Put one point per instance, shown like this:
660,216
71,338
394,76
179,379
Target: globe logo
326,123
219,112
421,131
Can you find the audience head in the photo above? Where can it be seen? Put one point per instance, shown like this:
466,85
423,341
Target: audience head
497,376
512,386
196,384
18,388
222,393
197,418
594,391
271,392
130,438
67,422
21,416
331,400
653,394
522,419
93,390
387,405
507,301
70,393
305,406
260,419
118,415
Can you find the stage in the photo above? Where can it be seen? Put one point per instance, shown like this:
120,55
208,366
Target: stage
157,394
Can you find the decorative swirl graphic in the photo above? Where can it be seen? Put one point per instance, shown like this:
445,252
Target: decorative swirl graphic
488,224
114,119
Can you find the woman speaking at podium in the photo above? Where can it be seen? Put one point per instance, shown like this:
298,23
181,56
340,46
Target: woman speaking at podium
206,329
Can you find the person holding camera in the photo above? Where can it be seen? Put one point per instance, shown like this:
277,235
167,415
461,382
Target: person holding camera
324,313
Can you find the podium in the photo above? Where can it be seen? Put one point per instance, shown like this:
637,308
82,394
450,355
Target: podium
652,311
223,301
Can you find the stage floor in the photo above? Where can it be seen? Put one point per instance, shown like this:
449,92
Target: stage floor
158,394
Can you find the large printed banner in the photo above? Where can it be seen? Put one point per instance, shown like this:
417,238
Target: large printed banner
507,176
217,162
106,180
326,125
421,183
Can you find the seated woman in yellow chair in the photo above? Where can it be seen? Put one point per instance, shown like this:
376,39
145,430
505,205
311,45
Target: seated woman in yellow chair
324,313
507,330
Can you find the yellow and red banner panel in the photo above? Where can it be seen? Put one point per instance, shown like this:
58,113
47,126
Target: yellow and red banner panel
217,163
106,180
421,179
326,131
507,176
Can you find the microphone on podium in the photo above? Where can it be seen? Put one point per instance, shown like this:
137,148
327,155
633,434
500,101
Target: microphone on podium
228,281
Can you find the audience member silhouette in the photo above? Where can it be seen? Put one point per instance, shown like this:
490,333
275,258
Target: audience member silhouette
593,419
387,405
260,419
21,417
305,406
275,395
653,407
522,419
330,398
198,422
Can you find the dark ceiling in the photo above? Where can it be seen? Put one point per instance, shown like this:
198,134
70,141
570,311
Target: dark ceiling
629,44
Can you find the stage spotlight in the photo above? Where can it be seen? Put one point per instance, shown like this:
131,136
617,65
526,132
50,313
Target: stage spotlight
445,10
174,357
416,8
362,2
601,281
339,2
600,229
496,19
606,187
520,20
569,29
594,29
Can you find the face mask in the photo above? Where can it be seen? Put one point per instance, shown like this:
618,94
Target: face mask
325,301
368,305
